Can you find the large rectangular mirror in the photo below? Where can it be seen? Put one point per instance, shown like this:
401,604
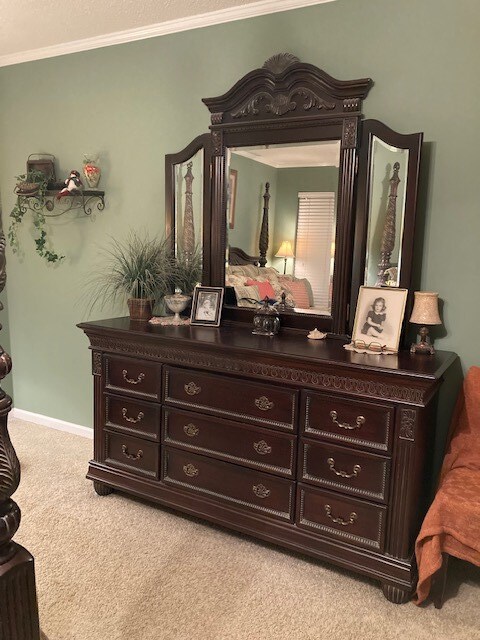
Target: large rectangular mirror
281,223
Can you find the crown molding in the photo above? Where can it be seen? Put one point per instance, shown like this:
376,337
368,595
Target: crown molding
159,29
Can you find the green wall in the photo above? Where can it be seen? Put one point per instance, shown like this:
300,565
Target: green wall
134,103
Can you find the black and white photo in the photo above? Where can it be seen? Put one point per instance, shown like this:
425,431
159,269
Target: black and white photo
379,317
207,306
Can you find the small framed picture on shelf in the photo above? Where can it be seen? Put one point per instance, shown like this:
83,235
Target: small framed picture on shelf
379,317
207,306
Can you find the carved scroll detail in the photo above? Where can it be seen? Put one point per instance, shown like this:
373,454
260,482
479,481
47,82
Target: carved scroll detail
217,143
97,363
281,103
407,424
356,386
349,134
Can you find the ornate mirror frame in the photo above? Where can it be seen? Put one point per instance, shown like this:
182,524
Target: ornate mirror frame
202,142
289,101
412,143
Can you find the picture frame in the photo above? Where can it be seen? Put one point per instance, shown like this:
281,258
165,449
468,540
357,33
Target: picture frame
379,317
207,306
232,197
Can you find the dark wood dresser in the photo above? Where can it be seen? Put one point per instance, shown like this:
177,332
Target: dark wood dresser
293,441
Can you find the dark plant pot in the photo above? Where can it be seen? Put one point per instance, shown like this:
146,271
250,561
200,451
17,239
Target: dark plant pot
140,308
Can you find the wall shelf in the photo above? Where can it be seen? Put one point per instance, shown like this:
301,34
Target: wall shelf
86,200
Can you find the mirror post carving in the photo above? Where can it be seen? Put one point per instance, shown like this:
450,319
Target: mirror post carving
18,598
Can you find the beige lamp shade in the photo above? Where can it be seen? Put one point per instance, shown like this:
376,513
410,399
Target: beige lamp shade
285,250
425,308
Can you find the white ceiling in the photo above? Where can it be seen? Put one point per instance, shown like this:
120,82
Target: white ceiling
32,30
310,154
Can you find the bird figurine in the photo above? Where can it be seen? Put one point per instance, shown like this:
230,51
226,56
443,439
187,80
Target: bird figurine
73,185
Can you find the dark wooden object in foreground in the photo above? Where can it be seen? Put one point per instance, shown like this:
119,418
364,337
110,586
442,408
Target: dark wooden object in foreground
296,442
18,599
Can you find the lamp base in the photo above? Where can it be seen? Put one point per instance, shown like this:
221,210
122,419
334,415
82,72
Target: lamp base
422,347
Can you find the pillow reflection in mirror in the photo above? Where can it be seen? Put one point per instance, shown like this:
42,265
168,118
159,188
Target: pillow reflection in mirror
264,287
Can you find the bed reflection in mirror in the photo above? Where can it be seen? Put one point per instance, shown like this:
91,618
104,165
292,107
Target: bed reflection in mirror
281,225
386,214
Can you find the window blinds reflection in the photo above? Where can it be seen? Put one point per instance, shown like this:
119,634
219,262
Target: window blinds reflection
314,245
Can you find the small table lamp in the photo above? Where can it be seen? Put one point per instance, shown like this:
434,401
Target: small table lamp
285,252
425,312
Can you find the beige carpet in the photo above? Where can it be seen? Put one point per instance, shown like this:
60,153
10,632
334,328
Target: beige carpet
115,568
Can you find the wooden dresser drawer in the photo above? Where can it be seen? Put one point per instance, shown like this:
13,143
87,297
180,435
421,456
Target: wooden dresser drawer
348,470
135,377
355,521
364,424
250,446
133,417
221,480
136,455
262,404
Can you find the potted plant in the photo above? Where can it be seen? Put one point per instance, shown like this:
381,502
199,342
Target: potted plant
186,270
137,270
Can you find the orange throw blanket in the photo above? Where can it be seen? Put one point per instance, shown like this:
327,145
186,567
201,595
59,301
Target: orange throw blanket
452,524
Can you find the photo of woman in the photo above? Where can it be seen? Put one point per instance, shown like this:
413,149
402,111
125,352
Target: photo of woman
379,317
207,306
373,325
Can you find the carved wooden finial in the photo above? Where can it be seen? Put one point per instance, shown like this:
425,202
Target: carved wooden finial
279,62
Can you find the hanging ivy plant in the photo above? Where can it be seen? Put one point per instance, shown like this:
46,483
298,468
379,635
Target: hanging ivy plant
32,184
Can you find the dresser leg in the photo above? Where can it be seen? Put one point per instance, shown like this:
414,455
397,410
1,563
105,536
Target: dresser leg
101,489
395,594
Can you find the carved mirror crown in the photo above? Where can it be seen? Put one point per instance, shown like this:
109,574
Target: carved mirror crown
284,86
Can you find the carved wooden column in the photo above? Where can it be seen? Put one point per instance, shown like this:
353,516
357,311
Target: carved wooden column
18,598
188,224
263,243
389,229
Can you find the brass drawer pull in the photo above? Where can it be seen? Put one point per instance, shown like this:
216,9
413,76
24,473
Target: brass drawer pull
345,425
190,470
261,491
263,403
140,416
131,456
191,430
343,474
141,377
262,448
192,389
344,523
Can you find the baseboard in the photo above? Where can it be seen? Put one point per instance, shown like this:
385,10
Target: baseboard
52,423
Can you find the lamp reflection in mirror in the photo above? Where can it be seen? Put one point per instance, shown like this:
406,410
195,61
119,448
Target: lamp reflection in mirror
425,312
285,252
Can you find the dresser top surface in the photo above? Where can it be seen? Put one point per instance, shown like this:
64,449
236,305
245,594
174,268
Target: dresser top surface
291,345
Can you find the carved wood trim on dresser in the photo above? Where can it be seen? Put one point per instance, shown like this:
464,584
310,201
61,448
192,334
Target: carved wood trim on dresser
295,442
